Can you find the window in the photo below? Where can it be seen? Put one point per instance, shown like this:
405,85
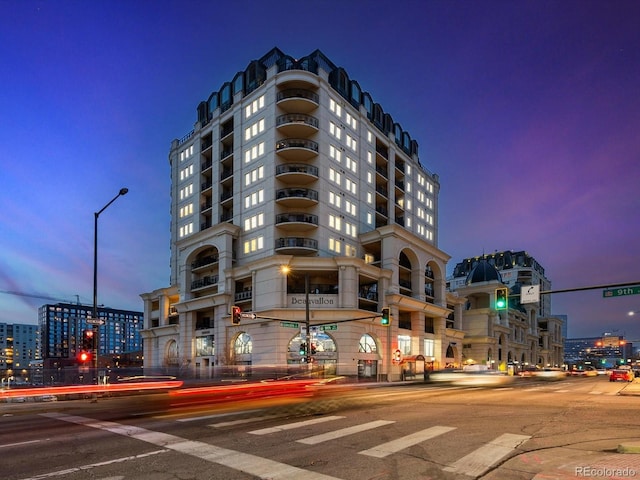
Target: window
254,198
243,344
335,130
367,344
334,176
253,130
186,192
352,122
369,136
350,229
350,185
350,207
186,172
254,244
335,245
253,107
254,175
335,107
205,346
186,230
186,153
429,347
335,222
404,344
351,164
335,153
370,157
369,198
335,199
349,250
352,143
254,152
186,210
254,222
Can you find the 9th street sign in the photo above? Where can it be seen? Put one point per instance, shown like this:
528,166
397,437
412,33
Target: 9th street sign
621,292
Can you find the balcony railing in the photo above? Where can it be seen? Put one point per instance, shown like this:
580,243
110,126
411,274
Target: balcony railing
297,217
297,242
297,168
297,193
204,282
297,93
201,262
290,118
297,143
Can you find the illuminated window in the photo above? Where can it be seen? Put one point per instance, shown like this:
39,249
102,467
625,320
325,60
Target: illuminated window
254,198
335,199
186,210
351,164
254,129
335,130
429,347
254,175
351,121
186,230
335,107
350,229
335,222
369,198
349,250
254,222
352,143
186,153
335,153
254,106
254,244
370,157
334,176
350,207
186,192
350,185
335,245
254,152
404,344
186,172
369,136
369,218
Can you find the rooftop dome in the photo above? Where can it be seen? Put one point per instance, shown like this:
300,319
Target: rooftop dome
483,271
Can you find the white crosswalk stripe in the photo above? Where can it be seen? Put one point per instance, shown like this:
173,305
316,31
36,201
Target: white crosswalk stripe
394,446
344,432
478,461
291,426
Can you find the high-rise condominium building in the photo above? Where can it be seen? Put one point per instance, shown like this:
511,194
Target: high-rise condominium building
300,201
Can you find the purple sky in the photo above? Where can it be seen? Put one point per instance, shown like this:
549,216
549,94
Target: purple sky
529,111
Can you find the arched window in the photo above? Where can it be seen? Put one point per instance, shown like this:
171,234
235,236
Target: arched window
367,344
243,344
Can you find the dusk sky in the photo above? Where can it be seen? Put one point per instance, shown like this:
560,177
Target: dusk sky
529,112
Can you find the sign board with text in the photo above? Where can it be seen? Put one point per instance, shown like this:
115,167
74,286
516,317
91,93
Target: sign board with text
530,294
621,292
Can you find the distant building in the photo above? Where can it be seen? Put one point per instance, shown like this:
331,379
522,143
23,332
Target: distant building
521,336
606,351
61,326
19,347
292,164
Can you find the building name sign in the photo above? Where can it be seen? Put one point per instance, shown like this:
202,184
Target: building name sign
315,301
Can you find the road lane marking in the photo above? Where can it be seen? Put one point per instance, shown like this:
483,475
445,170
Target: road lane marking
243,421
291,426
395,446
6,445
94,465
259,467
217,415
479,461
344,432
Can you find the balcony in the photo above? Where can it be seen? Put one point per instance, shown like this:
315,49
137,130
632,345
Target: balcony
296,245
298,100
297,173
204,261
297,148
205,282
296,221
297,197
297,124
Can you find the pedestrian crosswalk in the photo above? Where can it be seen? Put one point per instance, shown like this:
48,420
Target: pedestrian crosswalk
473,464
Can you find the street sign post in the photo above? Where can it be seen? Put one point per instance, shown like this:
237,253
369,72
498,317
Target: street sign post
621,292
248,316
530,294
95,321
289,324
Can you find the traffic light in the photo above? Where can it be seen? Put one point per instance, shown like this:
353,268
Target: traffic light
236,312
386,318
502,298
84,357
303,349
88,340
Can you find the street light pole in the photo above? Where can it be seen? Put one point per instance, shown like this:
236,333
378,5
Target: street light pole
94,314
307,321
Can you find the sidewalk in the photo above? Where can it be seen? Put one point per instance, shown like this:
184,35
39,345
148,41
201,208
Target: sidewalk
605,461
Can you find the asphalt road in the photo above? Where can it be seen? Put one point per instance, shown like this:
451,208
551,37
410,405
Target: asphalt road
526,430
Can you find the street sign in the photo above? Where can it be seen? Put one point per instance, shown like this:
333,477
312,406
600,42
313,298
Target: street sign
621,292
290,324
248,316
333,326
95,321
530,294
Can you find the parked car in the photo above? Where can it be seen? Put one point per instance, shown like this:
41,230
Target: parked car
624,375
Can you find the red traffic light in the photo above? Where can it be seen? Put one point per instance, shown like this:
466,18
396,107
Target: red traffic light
84,357
236,313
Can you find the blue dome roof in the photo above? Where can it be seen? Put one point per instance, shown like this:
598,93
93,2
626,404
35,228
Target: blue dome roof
483,271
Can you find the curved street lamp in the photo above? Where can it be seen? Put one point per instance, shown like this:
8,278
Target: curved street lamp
94,313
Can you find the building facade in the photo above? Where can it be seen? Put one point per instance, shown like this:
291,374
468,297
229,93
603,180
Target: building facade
291,164
61,326
524,335
19,347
